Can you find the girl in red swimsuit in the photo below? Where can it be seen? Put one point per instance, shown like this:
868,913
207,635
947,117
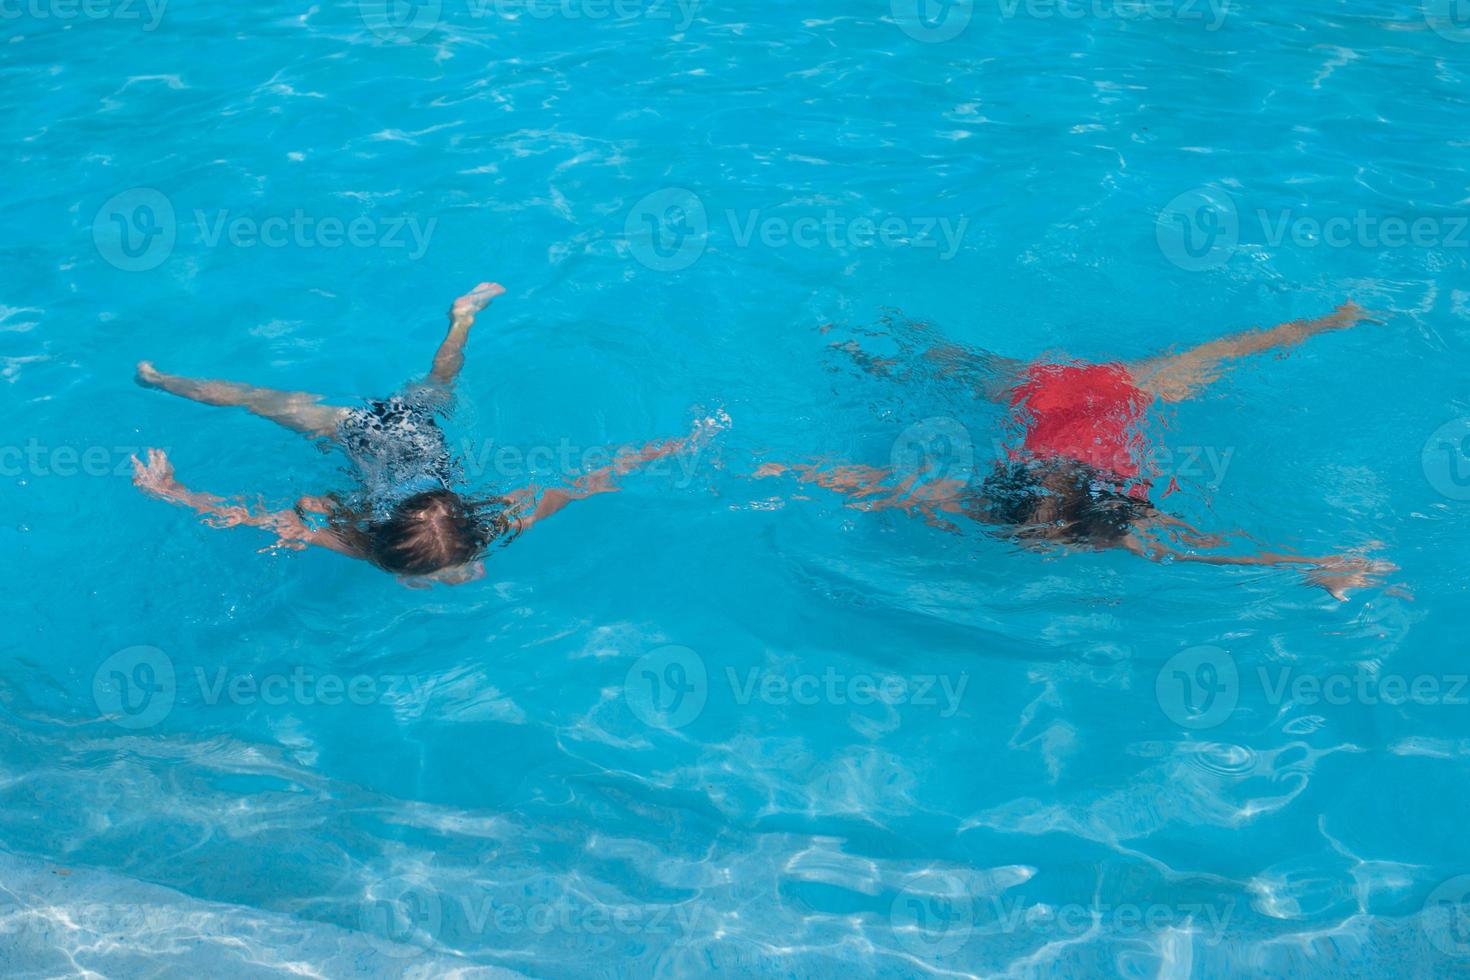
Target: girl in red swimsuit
1075,477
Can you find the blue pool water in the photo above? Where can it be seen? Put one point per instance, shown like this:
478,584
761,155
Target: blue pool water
648,742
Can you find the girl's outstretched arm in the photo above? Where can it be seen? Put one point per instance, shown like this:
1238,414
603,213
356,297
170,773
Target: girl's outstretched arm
528,505
877,488
156,478
1335,573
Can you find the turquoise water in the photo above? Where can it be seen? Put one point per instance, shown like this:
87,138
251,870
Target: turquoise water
710,724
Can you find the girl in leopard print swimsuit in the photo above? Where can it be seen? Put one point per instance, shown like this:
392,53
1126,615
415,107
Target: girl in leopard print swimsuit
406,517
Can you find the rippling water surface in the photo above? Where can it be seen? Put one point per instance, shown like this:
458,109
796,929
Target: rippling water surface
711,724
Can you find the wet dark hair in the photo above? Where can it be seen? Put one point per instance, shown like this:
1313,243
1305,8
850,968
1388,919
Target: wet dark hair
1059,500
429,531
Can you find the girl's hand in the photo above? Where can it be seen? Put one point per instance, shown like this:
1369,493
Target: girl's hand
704,430
156,476
1339,573
321,506
459,575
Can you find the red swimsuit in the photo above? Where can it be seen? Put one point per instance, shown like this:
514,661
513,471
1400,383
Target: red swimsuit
1086,412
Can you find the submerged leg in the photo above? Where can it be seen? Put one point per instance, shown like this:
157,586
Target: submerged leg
986,375
296,410
1176,377
992,376
450,357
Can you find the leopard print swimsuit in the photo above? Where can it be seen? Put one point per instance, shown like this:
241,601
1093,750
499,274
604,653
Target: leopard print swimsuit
398,449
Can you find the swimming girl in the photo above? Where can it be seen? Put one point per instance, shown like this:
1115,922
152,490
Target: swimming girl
1076,476
407,518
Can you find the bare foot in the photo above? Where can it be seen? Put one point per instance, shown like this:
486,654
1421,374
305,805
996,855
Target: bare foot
476,300
148,376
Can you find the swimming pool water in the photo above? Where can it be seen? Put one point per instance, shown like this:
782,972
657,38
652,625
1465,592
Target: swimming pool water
711,724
